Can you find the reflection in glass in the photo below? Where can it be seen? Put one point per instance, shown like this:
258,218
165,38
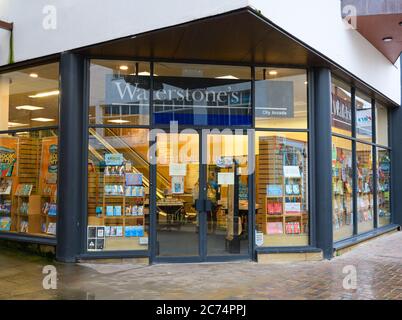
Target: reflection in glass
281,98
342,188
382,125
118,189
383,187
119,92
30,97
341,108
202,94
364,157
364,122
282,188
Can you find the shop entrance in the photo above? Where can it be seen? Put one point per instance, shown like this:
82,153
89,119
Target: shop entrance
202,207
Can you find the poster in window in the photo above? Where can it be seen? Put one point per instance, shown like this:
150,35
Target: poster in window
178,185
8,156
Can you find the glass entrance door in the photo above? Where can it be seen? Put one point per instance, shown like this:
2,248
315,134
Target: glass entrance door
227,195
201,196
177,193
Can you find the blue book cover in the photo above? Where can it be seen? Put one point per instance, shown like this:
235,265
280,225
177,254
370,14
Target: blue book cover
117,210
109,211
140,232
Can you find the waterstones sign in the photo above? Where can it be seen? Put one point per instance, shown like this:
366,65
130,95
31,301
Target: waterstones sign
130,89
341,113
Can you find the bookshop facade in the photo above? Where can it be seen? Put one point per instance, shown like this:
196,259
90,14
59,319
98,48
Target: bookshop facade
191,160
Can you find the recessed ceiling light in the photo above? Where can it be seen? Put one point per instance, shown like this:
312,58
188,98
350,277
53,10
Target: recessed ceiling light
229,76
42,119
273,73
118,121
30,108
144,73
124,68
45,94
305,82
387,39
16,124
33,75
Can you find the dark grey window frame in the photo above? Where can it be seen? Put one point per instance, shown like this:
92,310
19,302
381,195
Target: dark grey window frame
374,147
253,249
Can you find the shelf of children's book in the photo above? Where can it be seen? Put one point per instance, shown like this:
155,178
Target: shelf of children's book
114,196
285,215
294,214
47,216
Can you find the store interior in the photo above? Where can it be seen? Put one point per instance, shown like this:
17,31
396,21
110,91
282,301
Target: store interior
29,157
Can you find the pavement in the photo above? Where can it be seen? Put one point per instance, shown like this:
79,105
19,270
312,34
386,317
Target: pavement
377,265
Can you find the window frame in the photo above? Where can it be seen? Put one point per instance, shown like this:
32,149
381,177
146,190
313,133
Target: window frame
374,147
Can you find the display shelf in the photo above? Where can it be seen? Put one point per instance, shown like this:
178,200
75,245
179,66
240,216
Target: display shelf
276,153
121,201
31,221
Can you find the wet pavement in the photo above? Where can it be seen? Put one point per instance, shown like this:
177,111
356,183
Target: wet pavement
378,264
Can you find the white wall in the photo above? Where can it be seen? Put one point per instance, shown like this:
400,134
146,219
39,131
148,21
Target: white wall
318,23
85,22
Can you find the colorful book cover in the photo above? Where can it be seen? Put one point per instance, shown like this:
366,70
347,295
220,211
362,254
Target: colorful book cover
5,224
133,179
117,210
119,231
5,186
109,211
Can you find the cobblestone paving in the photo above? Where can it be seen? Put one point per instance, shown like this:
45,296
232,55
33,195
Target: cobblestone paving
378,264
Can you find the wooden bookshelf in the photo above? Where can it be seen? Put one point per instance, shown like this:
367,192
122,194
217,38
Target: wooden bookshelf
121,200
270,171
33,216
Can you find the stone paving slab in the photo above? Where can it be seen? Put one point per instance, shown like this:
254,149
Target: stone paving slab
378,265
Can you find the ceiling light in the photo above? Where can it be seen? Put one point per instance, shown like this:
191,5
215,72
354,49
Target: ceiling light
227,77
16,124
45,94
33,75
387,39
30,108
118,121
273,73
43,119
144,73
124,68
305,82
